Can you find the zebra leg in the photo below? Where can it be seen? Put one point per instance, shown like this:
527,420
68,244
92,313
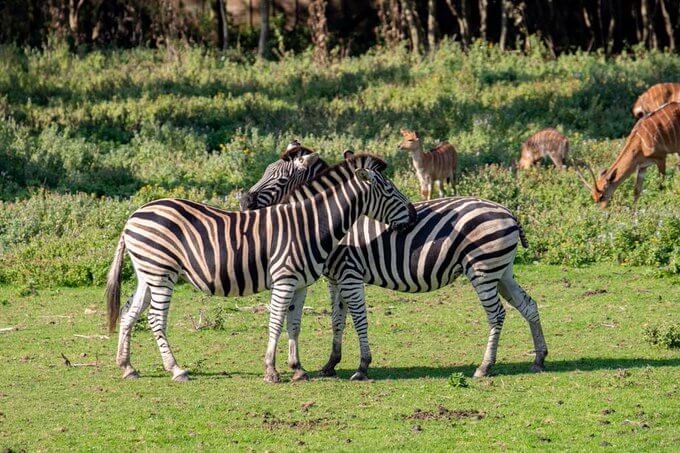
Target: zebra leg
339,310
353,294
134,307
293,325
518,298
161,293
282,295
487,291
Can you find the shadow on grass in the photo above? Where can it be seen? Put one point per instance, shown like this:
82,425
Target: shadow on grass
512,369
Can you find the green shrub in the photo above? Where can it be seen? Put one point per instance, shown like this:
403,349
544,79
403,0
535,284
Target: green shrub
85,140
458,380
666,335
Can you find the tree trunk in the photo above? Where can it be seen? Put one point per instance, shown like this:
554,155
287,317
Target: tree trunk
264,28
646,24
409,16
73,13
668,24
460,18
431,23
222,27
483,6
505,9
610,30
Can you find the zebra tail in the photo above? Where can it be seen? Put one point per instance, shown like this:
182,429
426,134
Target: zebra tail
522,237
113,285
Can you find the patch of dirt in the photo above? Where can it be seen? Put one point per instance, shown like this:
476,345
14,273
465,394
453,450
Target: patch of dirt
595,292
443,413
271,422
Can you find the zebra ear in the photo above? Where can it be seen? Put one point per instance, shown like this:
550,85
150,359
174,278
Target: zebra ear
347,154
365,175
304,162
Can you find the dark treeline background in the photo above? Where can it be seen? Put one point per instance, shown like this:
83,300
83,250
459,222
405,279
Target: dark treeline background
342,26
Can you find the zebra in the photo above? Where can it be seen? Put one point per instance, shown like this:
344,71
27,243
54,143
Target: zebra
294,167
452,236
282,248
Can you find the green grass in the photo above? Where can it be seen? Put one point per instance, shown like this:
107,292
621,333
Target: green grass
605,385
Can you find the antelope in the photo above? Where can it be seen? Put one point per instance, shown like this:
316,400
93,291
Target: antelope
653,137
547,142
655,97
438,164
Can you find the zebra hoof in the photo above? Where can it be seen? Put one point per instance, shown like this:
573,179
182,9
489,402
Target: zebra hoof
359,376
537,368
272,377
131,375
183,376
481,372
327,373
300,375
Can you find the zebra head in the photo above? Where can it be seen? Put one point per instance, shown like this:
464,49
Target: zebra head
296,166
383,201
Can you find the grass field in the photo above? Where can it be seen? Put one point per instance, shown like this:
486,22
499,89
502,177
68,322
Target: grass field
605,386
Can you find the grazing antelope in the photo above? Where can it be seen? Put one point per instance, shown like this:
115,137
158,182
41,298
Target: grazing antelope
452,236
438,164
282,248
655,97
545,143
653,137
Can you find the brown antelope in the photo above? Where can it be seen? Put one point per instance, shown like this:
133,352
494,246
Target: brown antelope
653,137
656,96
547,142
438,164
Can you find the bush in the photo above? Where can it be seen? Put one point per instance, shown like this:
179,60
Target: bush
80,150
666,336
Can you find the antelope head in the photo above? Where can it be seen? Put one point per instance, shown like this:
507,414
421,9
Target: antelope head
411,141
601,188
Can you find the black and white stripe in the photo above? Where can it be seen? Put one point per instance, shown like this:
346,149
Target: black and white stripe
452,236
282,248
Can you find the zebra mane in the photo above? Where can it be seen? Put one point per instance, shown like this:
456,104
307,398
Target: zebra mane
297,151
368,161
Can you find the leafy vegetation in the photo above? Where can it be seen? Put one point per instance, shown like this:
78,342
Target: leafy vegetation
86,139
666,335
604,385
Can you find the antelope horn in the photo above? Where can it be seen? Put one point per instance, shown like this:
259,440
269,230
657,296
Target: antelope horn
583,179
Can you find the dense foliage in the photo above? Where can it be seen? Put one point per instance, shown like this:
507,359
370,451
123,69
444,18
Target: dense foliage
84,140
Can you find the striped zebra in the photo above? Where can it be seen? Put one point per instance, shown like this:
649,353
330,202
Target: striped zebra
452,236
655,97
437,165
651,140
282,248
544,143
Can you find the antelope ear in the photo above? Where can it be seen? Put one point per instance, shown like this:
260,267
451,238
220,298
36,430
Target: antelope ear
347,154
365,175
612,176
